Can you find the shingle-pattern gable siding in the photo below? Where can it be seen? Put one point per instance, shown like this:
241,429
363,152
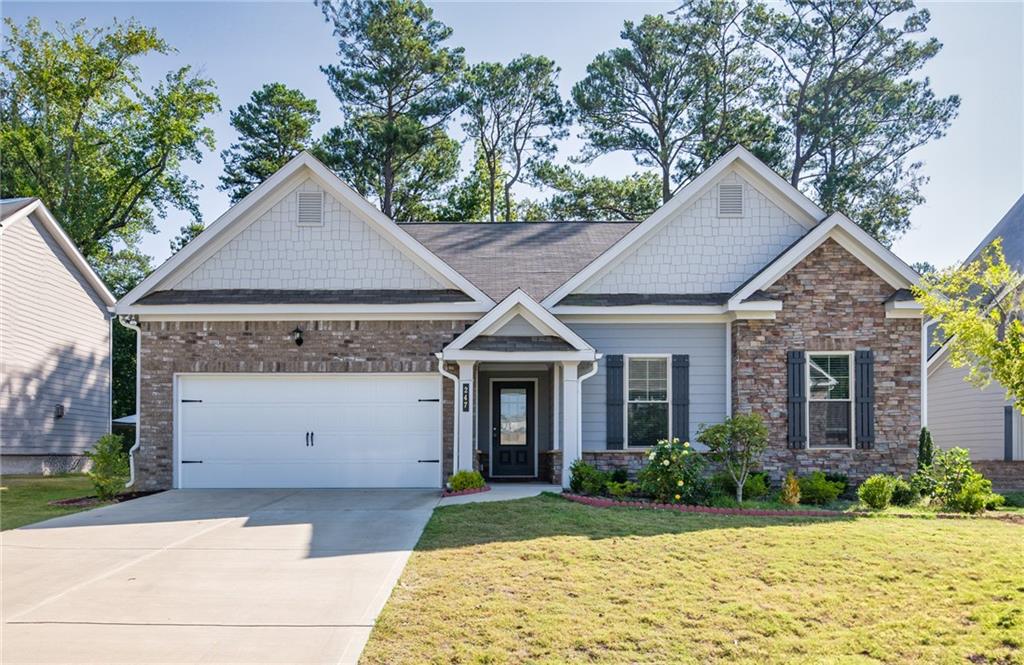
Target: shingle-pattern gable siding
274,252
698,252
54,348
832,302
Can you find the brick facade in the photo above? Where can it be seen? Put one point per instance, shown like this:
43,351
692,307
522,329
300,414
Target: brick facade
832,302
267,347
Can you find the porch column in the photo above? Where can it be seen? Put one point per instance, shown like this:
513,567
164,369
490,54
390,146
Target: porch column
571,448
464,405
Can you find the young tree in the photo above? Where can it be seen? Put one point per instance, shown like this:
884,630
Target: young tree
78,130
737,444
577,196
275,124
515,114
397,84
979,308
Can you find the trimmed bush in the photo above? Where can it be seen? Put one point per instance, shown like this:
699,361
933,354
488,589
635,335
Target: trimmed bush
1015,499
818,490
958,486
466,480
790,490
109,471
619,475
757,485
674,474
876,491
995,501
903,493
585,478
841,479
622,490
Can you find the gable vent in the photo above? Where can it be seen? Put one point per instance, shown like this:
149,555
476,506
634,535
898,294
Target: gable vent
730,200
311,208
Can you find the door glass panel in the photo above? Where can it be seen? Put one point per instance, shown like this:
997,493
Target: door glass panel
513,417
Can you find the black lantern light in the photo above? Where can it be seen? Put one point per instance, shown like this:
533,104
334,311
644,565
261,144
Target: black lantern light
297,336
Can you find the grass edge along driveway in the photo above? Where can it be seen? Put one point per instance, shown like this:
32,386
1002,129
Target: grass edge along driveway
26,499
547,580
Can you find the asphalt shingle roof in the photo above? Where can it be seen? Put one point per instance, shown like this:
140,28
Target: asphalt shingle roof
301,297
10,206
537,257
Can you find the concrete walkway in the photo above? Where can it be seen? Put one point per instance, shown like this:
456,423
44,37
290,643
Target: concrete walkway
503,492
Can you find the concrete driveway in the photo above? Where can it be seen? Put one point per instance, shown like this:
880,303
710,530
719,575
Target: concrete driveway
209,576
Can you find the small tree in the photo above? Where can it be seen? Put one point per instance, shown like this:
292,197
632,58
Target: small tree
109,466
925,450
738,444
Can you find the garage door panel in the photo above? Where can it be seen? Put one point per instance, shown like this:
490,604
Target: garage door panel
369,431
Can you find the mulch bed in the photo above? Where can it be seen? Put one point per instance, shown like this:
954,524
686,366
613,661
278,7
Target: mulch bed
600,502
90,501
476,490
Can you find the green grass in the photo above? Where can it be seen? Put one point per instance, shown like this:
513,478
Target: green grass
25,499
544,580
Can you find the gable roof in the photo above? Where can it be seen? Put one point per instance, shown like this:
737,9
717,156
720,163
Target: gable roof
14,210
1011,229
501,257
220,231
796,202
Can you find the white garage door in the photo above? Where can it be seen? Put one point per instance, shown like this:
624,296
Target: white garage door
351,430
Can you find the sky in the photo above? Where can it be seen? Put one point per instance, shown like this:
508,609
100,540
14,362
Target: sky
975,173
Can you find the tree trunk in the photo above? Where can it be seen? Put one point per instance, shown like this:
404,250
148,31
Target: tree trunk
666,184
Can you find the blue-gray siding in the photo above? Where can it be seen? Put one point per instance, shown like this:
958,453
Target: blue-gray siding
703,342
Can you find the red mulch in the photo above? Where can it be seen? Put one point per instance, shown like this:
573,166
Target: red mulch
600,502
89,501
476,490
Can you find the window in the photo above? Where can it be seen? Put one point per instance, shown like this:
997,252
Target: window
830,403
647,401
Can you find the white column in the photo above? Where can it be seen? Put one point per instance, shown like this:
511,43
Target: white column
570,418
465,399
556,405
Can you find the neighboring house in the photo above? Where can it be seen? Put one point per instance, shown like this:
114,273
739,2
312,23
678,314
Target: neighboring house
55,341
960,414
304,339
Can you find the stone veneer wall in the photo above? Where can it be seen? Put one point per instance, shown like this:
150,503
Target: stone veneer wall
550,462
832,302
610,460
170,347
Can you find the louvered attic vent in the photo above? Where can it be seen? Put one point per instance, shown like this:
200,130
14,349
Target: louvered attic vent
730,200
311,208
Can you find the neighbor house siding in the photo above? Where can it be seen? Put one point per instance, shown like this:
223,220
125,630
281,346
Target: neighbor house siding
54,348
705,344
699,252
965,416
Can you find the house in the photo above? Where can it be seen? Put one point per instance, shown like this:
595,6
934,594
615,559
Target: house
961,414
304,339
55,341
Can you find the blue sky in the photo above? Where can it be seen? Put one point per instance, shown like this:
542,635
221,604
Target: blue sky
976,171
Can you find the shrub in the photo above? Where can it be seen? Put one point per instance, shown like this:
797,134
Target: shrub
757,485
674,474
1015,499
817,489
841,479
923,482
903,494
466,480
622,490
737,444
876,491
620,475
587,479
958,486
925,450
109,471
994,501
790,490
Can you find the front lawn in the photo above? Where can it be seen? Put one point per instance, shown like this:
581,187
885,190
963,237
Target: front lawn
26,499
547,580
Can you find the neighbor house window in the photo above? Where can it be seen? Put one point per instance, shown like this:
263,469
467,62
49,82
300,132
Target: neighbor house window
830,403
647,401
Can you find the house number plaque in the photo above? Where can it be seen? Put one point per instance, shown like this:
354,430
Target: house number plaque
465,397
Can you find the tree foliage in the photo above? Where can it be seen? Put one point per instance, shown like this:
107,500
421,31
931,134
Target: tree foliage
398,84
737,444
979,308
595,198
78,130
275,124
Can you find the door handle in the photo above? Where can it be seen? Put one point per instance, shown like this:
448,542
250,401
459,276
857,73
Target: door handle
312,438
307,439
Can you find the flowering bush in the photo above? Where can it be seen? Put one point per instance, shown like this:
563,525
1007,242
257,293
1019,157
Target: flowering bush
674,474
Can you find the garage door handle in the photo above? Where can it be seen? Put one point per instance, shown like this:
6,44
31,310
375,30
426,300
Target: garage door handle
436,399
191,461
312,438
191,401
428,461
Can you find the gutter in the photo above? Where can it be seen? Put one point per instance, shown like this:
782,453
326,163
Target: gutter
127,322
455,420
579,408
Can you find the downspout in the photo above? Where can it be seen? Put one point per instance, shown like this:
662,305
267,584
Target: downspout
579,403
127,323
455,414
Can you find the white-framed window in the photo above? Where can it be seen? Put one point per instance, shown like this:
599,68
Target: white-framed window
648,400
830,399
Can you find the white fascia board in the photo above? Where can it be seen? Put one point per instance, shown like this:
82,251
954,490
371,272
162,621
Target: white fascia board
463,310
259,200
739,310
682,198
55,230
518,302
904,309
853,239
519,356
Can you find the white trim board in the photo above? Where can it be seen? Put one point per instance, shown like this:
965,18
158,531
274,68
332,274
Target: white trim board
518,303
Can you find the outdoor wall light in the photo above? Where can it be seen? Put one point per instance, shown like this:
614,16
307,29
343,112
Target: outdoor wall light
297,336
58,411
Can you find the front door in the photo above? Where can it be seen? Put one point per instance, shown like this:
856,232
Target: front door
513,440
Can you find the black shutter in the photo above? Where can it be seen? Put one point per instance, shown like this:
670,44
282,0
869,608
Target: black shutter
1008,433
864,408
613,401
681,397
797,399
